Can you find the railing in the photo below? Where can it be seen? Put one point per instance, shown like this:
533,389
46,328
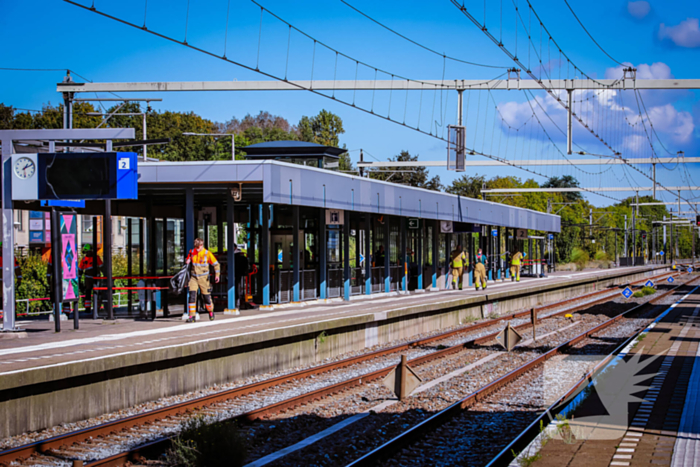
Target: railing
283,285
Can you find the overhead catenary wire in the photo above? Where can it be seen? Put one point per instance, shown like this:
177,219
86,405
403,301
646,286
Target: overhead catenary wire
416,43
589,34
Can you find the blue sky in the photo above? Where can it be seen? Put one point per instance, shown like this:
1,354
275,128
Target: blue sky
661,39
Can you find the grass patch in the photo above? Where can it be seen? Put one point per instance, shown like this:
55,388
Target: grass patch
203,444
638,294
648,290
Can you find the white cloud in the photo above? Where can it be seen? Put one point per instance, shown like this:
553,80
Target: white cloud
638,9
634,142
685,34
677,125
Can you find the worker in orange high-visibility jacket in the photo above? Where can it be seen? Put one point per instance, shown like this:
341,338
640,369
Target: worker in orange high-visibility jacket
199,260
89,271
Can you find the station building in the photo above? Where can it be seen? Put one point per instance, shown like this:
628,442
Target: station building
313,233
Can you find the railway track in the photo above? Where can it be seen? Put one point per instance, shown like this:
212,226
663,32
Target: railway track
72,445
463,418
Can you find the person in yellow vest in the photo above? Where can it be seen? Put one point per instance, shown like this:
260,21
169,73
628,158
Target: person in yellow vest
200,259
480,270
515,261
458,260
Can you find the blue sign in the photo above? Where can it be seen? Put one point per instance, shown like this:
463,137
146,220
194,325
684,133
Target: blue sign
65,203
627,293
280,258
670,279
649,283
690,269
362,258
36,236
661,253
551,236
494,232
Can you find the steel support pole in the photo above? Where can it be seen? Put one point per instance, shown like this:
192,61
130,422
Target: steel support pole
434,254
129,260
152,254
346,255
322,255
295,254
626,249
448,254
96,298
653,169
664,245
232,291
634,230
189,220
673,256
220,234
368,254
569,127
145,146
419,255
164,293
402,255
387,254
265,254
460,106
8,240
107,253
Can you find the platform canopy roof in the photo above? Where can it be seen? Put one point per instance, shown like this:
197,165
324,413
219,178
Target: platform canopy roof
285,183
292,150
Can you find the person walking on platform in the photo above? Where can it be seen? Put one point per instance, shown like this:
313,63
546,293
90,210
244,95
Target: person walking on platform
200,259
89,271
515,260
458,260
480,270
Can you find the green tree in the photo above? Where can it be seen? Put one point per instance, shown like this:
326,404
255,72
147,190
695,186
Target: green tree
413,176
469,186
324,128
567,181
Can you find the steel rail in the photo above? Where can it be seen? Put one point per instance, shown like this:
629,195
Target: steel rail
43,446
416,432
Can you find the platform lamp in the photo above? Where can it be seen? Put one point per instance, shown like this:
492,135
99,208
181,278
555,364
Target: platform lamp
232,135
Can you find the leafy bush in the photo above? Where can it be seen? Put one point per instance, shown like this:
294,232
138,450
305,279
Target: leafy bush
34,283
601,256
202,444
648,290
579,257
638,294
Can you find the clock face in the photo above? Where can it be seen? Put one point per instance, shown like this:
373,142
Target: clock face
24,167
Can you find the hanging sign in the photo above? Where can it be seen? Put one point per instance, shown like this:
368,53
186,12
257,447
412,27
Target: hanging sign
335,217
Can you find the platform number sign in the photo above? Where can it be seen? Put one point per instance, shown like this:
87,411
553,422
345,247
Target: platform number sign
649,283
627,293
124,163
670,279
661,253
690,269
551,236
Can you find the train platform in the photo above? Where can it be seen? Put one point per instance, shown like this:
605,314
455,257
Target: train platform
116,364
644,409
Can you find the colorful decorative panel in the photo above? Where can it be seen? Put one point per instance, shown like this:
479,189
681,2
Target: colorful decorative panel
69,257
